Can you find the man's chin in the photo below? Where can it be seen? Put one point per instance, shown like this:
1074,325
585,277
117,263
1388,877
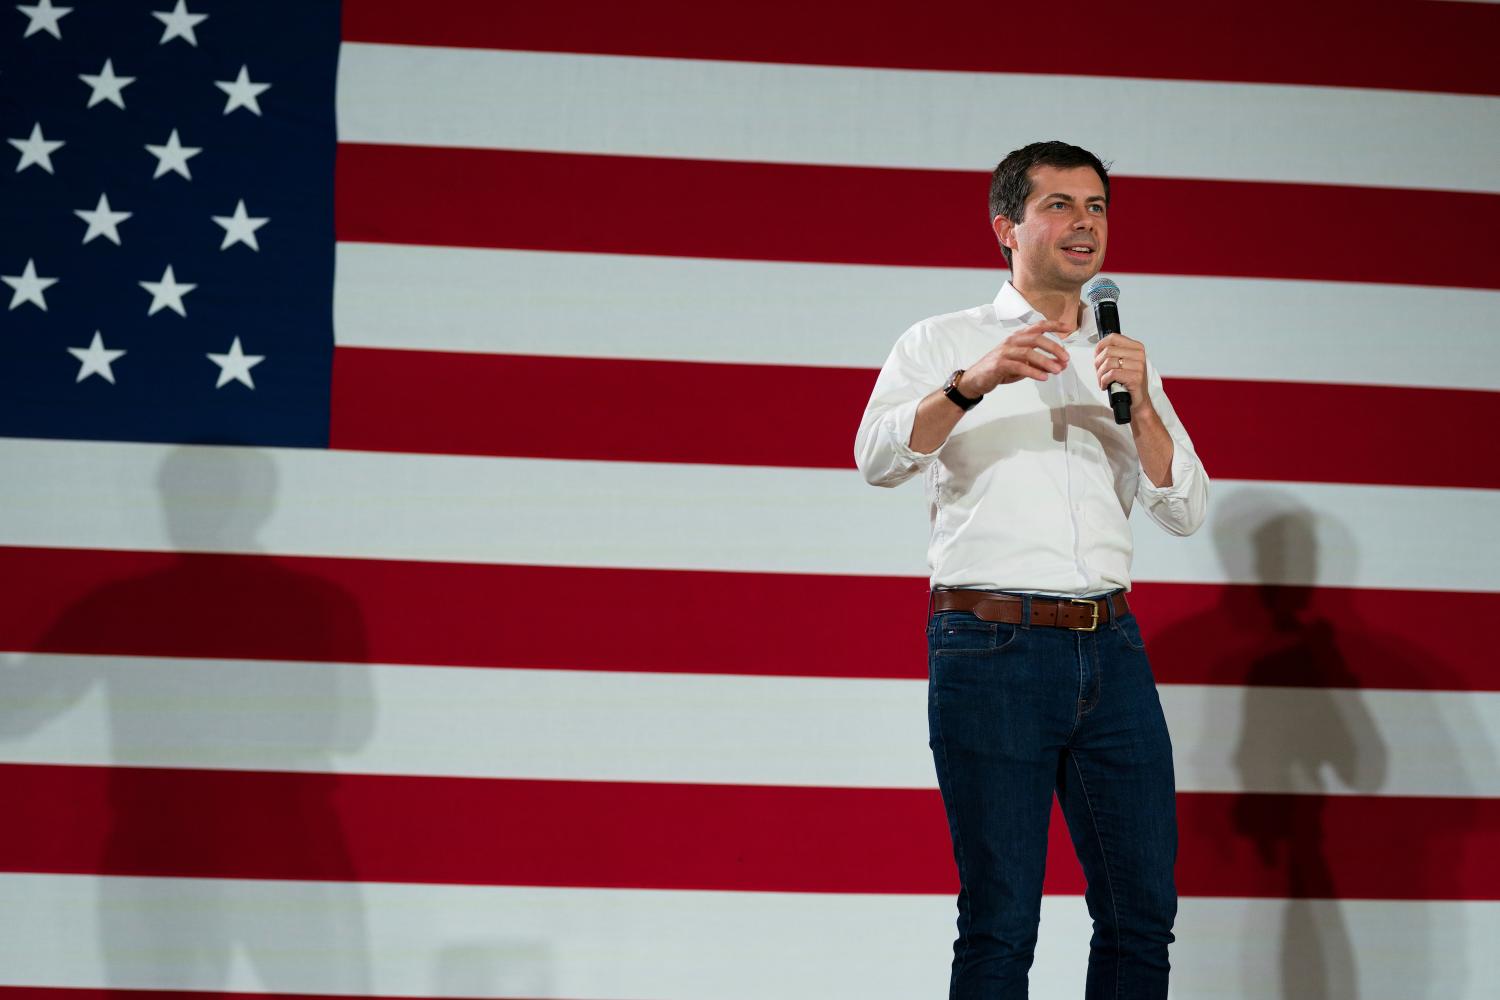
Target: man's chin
1080,275
1086,272
1071,274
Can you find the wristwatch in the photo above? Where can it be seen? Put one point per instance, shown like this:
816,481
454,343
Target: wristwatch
950,389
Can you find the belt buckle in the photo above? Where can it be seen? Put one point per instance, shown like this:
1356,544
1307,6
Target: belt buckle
1092,626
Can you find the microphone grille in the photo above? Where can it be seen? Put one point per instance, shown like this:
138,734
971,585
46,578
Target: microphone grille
1101,289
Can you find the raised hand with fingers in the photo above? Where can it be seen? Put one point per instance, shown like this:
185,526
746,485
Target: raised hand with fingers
1027,353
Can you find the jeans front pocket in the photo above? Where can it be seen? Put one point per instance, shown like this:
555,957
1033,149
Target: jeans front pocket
958,632
1131,632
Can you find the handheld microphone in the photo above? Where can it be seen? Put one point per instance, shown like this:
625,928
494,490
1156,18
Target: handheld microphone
1104,295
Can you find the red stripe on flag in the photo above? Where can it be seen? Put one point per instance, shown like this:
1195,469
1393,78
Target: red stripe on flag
1320,432
867,215
386,611
112,993
610,409
1406,46
627,410
377,828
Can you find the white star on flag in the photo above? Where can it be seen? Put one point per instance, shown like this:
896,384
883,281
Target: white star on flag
95,360
103,221
36,149
28,287
107,86
44,17
167,293
235,366
240,227
242,93
173,156
179,23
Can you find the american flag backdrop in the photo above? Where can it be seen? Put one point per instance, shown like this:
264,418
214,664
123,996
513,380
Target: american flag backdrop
431,560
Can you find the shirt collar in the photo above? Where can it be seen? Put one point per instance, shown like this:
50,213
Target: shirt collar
1011,305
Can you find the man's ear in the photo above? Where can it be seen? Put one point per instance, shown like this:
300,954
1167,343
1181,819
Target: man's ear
1005,232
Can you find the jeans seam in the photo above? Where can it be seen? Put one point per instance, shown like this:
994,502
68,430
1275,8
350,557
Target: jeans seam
1077,702
1098,676
1109,880
958,844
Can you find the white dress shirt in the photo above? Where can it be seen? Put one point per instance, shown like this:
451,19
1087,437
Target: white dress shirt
1033,489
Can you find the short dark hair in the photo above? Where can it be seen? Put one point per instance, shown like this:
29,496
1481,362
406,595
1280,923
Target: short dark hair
1010,184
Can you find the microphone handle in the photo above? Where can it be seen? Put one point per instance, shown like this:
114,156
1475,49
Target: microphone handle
1107,320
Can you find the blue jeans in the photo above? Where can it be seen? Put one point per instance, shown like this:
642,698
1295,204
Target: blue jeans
1016,713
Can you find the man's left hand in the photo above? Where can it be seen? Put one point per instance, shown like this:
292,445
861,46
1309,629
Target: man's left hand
1117,358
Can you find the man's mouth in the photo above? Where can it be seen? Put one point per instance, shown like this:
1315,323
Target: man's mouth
1079,251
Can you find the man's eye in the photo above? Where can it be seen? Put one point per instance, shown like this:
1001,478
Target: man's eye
1097,208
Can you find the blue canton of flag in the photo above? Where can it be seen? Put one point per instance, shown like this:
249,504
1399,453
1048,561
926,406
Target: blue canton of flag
166,220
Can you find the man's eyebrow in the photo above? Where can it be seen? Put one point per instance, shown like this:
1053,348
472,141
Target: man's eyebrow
1068,197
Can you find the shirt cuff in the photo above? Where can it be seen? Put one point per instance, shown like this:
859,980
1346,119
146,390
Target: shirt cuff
905,419
1184,470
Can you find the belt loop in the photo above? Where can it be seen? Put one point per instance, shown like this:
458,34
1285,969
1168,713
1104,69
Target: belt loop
1026,611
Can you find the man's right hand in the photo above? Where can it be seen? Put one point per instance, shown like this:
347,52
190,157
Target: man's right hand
1027,353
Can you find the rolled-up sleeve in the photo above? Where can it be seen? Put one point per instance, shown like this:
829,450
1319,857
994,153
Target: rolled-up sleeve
1180,508
881,447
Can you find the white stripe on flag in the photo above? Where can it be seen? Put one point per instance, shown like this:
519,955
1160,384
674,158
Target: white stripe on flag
720,110
772,312
729,730
664,516
420,940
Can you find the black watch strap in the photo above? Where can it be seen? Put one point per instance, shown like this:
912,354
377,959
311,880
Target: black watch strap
950,389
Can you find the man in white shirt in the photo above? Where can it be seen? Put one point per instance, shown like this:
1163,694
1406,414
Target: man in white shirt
1038,679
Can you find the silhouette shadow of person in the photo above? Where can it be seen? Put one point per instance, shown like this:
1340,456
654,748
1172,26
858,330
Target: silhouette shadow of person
1305,656
221,746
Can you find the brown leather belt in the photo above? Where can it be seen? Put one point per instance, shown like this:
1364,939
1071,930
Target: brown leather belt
1079,614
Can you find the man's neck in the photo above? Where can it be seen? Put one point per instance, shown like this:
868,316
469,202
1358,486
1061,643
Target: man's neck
1060,305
